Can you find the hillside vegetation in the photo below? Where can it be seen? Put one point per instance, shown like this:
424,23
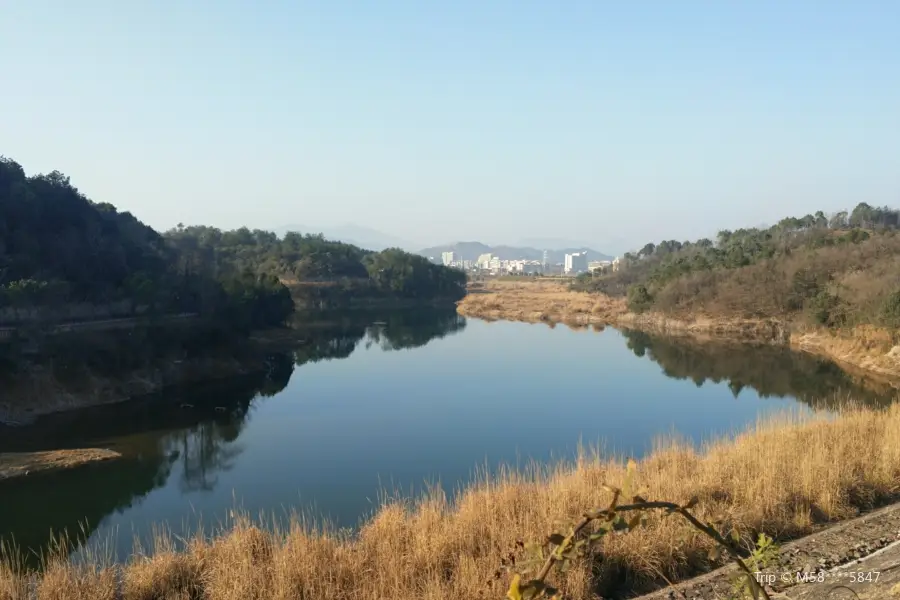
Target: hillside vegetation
320,273
833,271
59,249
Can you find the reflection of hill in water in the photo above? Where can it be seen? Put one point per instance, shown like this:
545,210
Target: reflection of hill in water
192,431
339,334
770,370
154,435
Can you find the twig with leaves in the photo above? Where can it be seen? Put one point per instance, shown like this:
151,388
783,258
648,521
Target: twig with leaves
611,519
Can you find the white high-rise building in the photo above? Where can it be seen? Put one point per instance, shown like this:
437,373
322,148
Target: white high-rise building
484,260
576,263
447,258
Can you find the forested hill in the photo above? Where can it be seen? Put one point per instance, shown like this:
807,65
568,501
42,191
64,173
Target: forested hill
321,273
834,270
59,249
51,235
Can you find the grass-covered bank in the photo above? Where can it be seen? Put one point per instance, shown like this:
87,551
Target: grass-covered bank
782,477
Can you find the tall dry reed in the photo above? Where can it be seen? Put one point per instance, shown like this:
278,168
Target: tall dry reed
535,301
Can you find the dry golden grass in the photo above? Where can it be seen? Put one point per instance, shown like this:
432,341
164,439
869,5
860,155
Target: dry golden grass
865,347
533,301
781,477
16,464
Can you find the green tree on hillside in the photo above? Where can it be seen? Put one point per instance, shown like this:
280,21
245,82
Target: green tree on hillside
831,269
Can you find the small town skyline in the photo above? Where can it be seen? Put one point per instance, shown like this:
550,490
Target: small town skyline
574,263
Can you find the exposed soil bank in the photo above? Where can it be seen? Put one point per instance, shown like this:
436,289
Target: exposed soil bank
20,464
864,348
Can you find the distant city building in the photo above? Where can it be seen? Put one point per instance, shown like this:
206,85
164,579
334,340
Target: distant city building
576,263
598,264
447,258
616,264
484,260
529,267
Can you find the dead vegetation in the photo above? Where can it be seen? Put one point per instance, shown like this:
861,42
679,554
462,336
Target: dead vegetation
17,464
538,301
781,477
834,286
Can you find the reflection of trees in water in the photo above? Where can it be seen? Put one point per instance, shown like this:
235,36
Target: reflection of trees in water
773,371
413,330
279,369
390,330
209,447
328,345
204,452
74,501
195,429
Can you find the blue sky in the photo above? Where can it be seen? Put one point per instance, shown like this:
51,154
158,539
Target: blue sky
614,123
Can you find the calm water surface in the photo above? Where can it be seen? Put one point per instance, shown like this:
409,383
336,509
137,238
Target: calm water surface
395,401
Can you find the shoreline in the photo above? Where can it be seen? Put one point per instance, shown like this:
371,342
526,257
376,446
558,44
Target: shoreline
866,349
454,544
40,392
764,479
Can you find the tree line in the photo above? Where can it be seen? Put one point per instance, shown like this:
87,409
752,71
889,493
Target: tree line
321,273
58,248
832,270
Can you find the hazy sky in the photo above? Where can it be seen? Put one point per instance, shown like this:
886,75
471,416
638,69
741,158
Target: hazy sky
440,120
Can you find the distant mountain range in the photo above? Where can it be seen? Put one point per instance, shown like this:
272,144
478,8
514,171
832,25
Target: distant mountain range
472,250
364,237
528,249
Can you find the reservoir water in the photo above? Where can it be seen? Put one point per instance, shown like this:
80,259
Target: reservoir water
370,402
